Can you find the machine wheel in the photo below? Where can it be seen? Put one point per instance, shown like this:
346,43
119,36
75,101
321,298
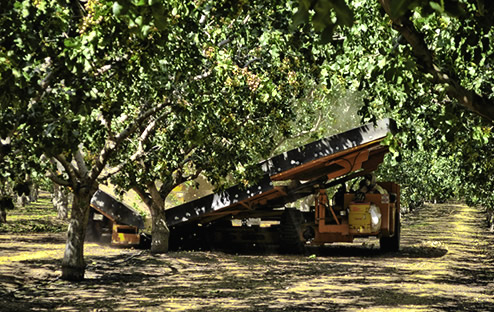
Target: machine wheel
392,243
290,232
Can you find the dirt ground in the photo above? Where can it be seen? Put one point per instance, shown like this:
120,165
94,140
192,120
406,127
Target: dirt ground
446,263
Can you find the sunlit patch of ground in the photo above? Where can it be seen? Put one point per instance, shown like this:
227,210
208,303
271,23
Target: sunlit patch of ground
445,264
36,217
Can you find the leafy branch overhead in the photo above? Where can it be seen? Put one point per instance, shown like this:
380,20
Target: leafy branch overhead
408,18
428,65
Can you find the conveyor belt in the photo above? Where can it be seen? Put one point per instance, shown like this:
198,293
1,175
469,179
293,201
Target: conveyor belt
115,210
303,170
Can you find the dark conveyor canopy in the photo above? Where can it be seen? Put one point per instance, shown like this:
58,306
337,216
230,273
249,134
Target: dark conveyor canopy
294,174
115,210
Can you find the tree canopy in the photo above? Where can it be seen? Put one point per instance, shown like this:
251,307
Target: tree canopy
152,93
225,107
160,89
428,65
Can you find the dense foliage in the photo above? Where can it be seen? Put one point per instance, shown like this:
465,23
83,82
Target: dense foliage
428,65
156,89
229,90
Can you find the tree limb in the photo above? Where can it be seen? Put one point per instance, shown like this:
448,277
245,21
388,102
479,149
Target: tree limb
425,58
255,59
69,168
187,156
112,144
52,175
187,178
81,164
140,149
56,179
156,195
145,197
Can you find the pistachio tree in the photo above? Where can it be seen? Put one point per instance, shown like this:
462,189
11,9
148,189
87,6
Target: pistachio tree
154,91
72,89
231,78
428,65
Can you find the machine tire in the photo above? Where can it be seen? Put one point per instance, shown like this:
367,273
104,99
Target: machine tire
392,243
290,232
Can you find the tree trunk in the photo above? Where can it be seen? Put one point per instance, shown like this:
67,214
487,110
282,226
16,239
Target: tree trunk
60,201
160,232
3,215
73,266
6,203
490,219
33,193
22,200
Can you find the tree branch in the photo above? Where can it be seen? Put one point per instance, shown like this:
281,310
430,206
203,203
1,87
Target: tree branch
188,178
112,144
69,168
145,197
255,59
52,175
81,164
140,149
156,195
56,179
425,58
187,156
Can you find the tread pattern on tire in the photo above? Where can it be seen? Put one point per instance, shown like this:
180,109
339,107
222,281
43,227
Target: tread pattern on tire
290,229
392,243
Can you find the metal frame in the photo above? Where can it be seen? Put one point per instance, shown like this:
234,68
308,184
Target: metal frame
309,168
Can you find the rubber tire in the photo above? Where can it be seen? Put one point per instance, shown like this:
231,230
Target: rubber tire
290,232
392,244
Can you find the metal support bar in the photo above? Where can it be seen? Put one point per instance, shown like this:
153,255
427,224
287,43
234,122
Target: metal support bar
321,203
334,215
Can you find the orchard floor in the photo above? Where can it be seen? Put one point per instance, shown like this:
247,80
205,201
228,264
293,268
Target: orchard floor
446,263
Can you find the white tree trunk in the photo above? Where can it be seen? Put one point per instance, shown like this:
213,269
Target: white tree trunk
73,265
160,232
61,200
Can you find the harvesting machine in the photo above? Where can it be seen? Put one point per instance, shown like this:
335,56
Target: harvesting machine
320,193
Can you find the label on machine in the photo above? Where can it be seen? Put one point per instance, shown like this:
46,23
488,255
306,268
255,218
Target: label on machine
364,218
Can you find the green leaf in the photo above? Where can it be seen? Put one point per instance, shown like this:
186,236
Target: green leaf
436,6
139,20
72,43
117,8
140,2
145,30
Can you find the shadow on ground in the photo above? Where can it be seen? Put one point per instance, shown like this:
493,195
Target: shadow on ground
445,264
